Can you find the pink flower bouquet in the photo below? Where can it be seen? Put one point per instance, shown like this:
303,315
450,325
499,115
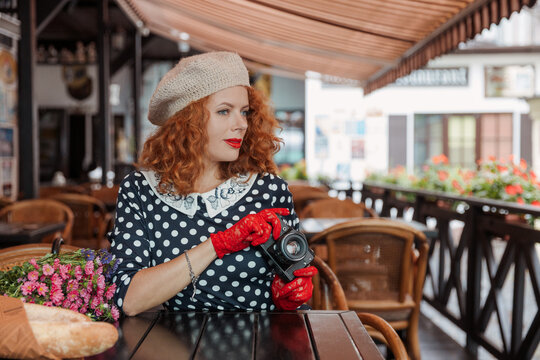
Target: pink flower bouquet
78,281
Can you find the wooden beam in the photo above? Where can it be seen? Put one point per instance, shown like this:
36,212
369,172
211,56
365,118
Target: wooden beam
126,56
51,14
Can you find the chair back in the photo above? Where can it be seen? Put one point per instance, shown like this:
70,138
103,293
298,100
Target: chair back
107,195
304,194
329,295
17,255
91,219
386,333
327,291
40,211
336,208
51,190
375,261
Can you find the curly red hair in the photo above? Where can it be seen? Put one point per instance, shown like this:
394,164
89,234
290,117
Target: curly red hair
175,151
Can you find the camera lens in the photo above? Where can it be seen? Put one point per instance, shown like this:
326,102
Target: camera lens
293,247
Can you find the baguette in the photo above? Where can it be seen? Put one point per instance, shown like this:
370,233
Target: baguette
44,313
74,339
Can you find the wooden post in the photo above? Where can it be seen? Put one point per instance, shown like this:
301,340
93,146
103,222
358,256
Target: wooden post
104,116
28,121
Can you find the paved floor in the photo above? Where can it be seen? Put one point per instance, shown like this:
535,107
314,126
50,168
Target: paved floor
436,344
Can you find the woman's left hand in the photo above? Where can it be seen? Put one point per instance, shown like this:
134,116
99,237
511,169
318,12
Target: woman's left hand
293,294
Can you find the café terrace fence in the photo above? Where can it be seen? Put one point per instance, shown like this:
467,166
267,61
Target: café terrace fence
495,250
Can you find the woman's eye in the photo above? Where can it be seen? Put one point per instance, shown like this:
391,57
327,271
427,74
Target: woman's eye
223,112
245,113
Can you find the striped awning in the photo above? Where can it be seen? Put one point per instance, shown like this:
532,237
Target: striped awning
373,42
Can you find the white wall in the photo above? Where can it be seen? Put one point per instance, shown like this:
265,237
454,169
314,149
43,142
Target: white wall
330,108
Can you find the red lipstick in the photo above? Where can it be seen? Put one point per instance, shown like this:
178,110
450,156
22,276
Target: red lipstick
235,143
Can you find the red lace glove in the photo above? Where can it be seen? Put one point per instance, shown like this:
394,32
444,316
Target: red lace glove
290,296
252,229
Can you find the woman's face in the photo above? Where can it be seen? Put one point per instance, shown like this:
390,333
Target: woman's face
227,124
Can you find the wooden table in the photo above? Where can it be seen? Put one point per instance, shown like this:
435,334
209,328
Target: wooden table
243,335
18,233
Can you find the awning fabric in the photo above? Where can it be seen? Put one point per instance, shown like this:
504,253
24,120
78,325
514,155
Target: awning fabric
371,41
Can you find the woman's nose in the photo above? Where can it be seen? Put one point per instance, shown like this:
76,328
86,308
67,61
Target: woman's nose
240,121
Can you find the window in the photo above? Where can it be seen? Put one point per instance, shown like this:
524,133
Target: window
463,138
428,137
495,135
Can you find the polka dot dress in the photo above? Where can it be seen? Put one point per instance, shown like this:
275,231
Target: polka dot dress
152,228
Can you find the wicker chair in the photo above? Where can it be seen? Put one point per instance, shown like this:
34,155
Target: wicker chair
107,195
304,194
49,191
17,255
329,295
336,208
92,221
377,264
40,211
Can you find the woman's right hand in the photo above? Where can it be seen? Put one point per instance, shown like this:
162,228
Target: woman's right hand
252,229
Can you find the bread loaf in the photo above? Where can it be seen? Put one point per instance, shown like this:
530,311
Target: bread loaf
69,334
43,313
71,339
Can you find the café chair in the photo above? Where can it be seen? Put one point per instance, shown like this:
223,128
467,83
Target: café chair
381,265
17,255
106,194
336,208
4,201
329,295
304,194
40,211
51,190
92,220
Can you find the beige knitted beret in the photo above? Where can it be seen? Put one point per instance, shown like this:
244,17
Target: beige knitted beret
194,78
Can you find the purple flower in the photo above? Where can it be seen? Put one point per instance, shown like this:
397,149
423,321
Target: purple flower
88,254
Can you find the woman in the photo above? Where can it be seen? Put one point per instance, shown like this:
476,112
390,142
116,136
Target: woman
206,174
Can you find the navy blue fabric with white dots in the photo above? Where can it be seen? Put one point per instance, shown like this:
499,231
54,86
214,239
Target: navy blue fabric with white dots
148,232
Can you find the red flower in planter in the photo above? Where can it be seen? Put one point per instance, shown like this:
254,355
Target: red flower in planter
535,203
439,159
443,175
513,189
520,200
457,186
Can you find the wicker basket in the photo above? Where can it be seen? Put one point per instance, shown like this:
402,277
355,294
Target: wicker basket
17,255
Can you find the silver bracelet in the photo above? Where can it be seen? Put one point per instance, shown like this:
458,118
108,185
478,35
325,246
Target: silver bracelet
192,275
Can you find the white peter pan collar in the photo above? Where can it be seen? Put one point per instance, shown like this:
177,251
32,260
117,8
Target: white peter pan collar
221,198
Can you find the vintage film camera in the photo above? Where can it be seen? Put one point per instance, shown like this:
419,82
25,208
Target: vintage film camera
287,253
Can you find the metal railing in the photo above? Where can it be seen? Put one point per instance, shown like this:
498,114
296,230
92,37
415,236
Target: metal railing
470,274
